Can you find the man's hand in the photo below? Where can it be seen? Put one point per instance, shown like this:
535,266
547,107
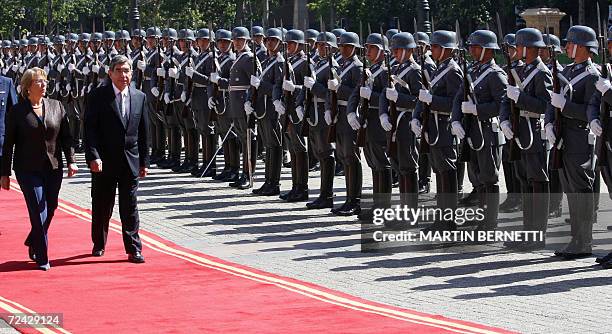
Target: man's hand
143,172
96,166
72,169
5,182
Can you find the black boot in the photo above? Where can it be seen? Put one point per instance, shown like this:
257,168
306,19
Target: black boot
490,198
540,200
227,166
471,199
446,199
247,184
294,177
267,169
301,169
276,157
354,182
368,214
582,225
325,199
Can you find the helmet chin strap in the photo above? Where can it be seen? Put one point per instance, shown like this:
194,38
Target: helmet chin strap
441,54
573,55
524,55
403,57
482,54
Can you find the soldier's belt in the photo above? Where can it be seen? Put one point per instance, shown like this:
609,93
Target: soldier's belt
574,122
400,109
147,78
199,85
530,114
441,113
342,103
238,88
318,100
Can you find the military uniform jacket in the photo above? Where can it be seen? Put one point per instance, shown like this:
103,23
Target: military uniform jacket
59,80
408,86
298,65
187,59
349,77
269,90
376,82
535,82
153,60
315,113
488,82
172,86
106,61
261,52
226,61
239,82
445,81
578,85
135,56
202,67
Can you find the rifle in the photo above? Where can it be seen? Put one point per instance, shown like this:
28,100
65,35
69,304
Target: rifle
604,114
288,98
426,113
253,92
307,96
556,153
172,80
391,144
515,113
214,64
331,134
364,104
160,82
143,56
467,118
189,84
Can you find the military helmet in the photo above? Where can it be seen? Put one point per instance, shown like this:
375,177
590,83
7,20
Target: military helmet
349,38
338,32
205,33
23,42
108,35
530,37
257,31
403,40
59,39
241,32
170,33
483,38
311,34
327,37
390,33
96,37
421,37
139,33
378,40
295,35
122,35
72,37
6,44
33,41
510,39
444,38
274,33
223,34
45,40
583,35
85,37
552,40
186,34
154,32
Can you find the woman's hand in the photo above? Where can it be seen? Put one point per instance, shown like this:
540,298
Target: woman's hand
72,169
5,182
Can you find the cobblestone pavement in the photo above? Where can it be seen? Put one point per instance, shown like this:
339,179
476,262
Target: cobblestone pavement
527,292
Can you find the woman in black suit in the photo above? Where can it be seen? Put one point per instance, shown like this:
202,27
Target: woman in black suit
37,129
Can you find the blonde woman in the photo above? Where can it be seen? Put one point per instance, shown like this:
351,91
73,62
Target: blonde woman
37,133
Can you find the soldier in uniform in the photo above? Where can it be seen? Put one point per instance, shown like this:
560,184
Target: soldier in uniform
314,114
345,84
445,81
556,193
404,93
91,70
577,164
513,184
241,73
480,115
531,96
375,143
268,85
108,40
298,66
198,73
82,60
218,102
122,43
258,40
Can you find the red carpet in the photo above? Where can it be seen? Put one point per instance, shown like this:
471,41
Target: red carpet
177,290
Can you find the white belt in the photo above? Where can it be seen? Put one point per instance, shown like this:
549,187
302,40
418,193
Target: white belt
238,88
147,78
318,100
342,103
443,113
403,109
530,114
199,85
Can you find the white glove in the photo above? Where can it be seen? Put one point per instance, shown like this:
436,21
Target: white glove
279,107
603,85
365,92
299,111
425,96
255,82
353,121
18,89
86,70
309,82
214,77
167,98
161,72
333,84
558,100
248,108
513,92
211,103
550,133
141,65
507,129
21,69
173,72
57,86
596,127
15,68
46,69
184,97
415,126
327,117
71,67
288,85
468,107
155,91
189,71
83,91
391,94
106,68
457,130
385,123
95,68
68,87
60,67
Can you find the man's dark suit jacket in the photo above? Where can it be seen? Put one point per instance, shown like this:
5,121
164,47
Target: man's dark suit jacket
8,98
109,138
37,144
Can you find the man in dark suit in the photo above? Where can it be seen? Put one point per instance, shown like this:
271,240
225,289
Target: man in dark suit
8,98
116,134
